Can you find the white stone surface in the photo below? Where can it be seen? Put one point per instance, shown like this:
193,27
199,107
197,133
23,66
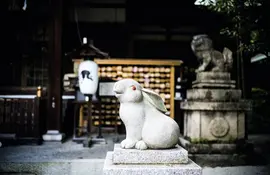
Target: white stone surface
134,156
164,169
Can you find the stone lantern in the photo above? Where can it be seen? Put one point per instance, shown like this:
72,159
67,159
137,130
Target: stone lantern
85,81
88,69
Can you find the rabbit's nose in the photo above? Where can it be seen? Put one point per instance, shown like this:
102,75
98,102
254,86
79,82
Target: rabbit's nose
115,86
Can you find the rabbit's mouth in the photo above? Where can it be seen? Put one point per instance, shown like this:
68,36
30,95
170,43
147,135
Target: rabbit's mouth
117,94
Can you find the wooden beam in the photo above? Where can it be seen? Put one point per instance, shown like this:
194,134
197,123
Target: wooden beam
181,37
162,37
131,61
150,37
19,90
98,5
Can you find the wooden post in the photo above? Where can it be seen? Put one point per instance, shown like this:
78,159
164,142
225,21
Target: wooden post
172,84
55,75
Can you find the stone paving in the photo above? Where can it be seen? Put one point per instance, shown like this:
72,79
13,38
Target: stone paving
71,158
56,151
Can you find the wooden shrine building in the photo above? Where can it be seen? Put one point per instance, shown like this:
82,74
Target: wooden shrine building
37,40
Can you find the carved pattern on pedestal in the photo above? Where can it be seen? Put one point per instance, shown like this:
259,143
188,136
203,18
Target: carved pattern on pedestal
228,96
208,95
219,127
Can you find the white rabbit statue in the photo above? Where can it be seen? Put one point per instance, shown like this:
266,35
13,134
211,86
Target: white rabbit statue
142,112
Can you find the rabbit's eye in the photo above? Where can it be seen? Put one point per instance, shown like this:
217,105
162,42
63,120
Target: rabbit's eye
133,87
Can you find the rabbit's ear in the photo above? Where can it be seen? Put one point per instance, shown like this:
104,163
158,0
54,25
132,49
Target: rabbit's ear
154,99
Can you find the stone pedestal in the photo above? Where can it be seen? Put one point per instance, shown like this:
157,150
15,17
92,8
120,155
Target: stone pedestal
150,162
53,135
214,113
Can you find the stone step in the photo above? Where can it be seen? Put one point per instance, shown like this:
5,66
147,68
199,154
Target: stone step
214,84
150,169
214,94
134,156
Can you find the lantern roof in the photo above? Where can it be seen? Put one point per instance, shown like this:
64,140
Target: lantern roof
88,50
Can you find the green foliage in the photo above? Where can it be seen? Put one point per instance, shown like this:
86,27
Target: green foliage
247,21
259,91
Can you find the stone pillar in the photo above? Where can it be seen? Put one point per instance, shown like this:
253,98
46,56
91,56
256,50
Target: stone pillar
214,114
55,77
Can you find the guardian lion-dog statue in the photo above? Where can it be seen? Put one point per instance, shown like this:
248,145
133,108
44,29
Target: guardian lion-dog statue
209,58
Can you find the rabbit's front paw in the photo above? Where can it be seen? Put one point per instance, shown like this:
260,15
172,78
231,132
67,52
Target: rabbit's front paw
127,144
141,145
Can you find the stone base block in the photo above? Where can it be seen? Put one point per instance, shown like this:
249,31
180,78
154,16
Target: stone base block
134,156
217,95
242,105
213,80
240,147
156,169
213,76
222,148
210,148
220,160
53,135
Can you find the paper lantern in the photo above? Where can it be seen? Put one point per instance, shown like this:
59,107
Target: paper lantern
88,77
